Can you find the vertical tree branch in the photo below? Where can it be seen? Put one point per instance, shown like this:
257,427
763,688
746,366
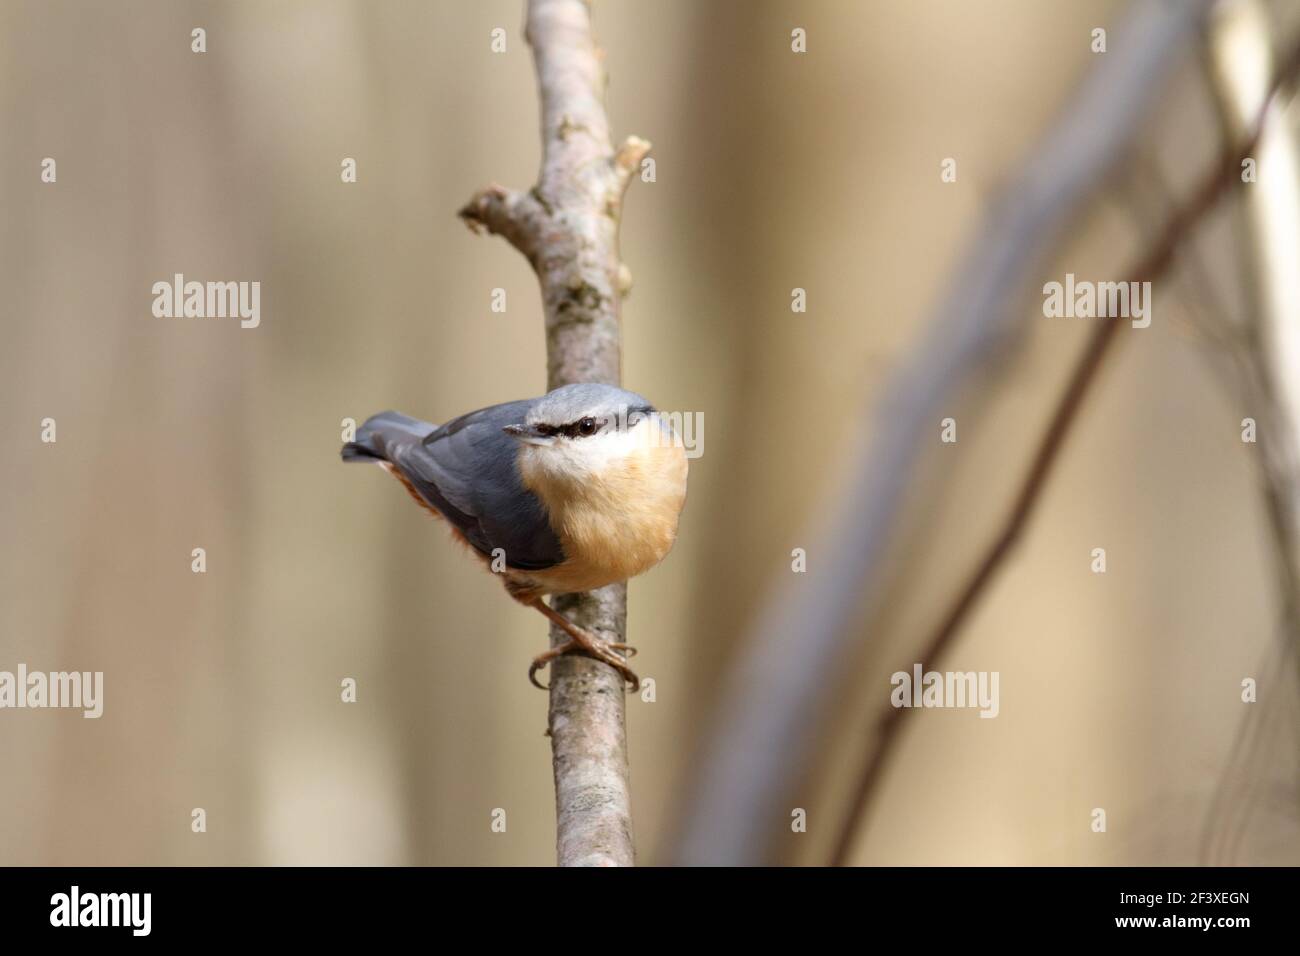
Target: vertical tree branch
567,228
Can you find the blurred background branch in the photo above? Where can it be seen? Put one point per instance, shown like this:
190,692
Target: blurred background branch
775,704
1177,230
1266,359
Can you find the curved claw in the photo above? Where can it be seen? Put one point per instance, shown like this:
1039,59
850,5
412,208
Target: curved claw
533,668
629,678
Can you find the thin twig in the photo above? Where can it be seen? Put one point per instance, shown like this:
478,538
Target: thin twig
1153,263
567,228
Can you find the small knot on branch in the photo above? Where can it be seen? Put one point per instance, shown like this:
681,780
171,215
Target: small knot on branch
516,216
628,159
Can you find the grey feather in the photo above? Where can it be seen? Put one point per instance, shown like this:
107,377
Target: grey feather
468,470
569,403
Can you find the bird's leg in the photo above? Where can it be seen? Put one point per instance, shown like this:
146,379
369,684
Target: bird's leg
582,642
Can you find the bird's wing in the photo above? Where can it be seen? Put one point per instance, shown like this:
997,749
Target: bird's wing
468,470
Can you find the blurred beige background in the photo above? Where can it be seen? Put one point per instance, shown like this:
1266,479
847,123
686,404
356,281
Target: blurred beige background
774,171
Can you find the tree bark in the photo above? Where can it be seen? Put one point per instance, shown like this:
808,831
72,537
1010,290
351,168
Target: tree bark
567,228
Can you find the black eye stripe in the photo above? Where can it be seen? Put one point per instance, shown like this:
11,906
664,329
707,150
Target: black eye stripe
574,429
634,416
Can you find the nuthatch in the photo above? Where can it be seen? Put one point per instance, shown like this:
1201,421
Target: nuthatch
574,490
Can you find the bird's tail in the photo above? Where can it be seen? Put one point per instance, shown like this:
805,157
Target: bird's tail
382,431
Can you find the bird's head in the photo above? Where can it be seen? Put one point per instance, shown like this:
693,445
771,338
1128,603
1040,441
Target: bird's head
577,432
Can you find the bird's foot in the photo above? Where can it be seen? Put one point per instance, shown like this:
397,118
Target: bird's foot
580,642
572,647
599,650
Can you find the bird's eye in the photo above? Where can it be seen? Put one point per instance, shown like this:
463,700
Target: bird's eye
587,426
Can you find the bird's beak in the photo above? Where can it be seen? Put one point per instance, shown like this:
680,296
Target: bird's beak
528,434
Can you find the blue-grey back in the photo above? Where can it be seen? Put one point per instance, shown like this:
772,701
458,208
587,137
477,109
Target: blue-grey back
468,470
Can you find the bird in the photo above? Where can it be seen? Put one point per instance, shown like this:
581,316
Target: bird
580,488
